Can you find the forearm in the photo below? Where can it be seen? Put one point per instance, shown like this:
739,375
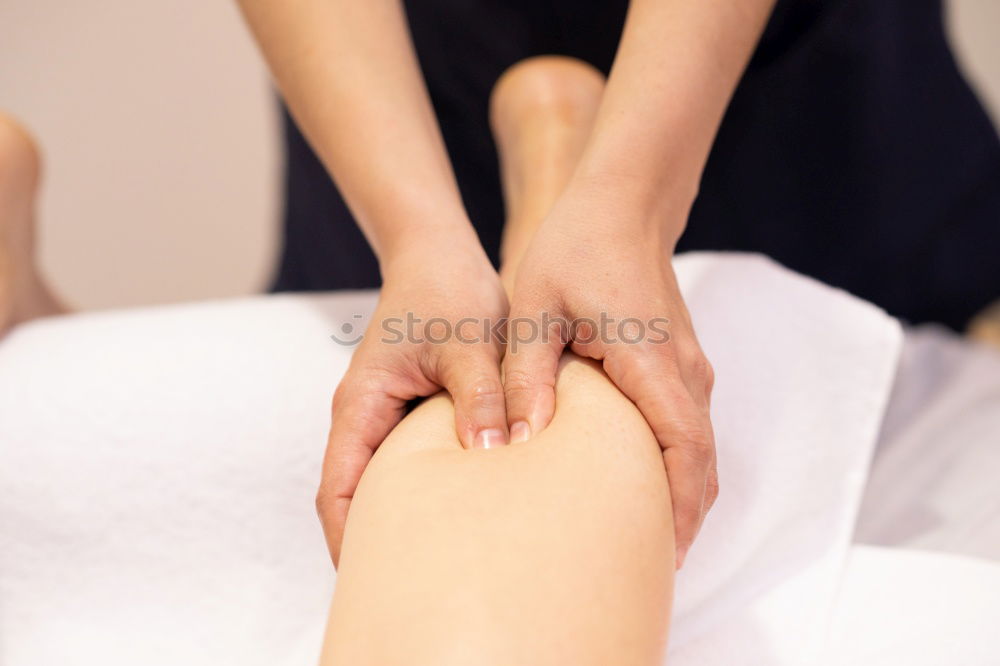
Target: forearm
558,550
676,68
349,74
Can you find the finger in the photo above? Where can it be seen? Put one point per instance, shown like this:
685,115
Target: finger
697,373
681,426
362,418
687,474
712,488
529,374
472,376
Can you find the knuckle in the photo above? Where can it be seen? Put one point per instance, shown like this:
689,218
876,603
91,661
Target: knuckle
324,503
688,515
711,490
698,447
341,392
484,392
710,497
517,381
640,365
358,381
702,451
520,385
343,404
702,371
353,423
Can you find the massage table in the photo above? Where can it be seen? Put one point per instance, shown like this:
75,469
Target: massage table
158,468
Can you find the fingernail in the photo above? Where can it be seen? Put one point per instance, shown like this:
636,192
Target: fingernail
681,554
489,439
520,432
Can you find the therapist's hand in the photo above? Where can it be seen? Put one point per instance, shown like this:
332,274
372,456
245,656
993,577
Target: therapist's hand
397,362
594,258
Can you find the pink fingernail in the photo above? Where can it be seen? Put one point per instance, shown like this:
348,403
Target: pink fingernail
489,439
520,432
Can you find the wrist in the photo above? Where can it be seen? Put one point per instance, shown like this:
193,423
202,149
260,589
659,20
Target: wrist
420,230
627,205
452,249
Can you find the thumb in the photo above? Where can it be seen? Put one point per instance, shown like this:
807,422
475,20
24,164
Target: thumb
529,372
361,421
472,376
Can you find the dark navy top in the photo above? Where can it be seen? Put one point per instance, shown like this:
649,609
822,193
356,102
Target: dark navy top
853,150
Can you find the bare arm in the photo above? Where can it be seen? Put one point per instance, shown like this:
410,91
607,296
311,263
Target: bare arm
349,74
676,68
604,249
348,71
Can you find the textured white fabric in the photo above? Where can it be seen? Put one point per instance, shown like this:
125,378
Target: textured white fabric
157,470
935,482
157,475
900,606
804,372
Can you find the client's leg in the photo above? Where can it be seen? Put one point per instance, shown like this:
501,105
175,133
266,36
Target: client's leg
23,293
541,111
558,550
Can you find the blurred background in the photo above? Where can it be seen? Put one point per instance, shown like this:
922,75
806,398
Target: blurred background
159,130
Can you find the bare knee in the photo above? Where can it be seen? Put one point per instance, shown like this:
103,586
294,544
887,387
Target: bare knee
558,85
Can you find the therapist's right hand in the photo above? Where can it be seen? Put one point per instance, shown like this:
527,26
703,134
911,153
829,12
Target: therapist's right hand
396,363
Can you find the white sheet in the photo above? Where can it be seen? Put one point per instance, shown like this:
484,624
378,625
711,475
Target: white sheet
157,469
935,482
804,375
900,606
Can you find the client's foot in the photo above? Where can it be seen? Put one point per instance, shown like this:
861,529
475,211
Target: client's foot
541,111
985,327
23,293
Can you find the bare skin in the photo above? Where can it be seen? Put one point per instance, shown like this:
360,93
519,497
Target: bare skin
985,327
541,112
558,550
24,294
554,550
346,68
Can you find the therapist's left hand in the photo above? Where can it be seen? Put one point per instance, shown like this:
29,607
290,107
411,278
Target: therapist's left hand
598,260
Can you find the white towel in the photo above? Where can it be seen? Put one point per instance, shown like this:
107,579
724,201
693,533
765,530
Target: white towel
901,606
934,484
157,470
804,372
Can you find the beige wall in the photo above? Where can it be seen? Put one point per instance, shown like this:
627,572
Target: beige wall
159,132
975,30
157,124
